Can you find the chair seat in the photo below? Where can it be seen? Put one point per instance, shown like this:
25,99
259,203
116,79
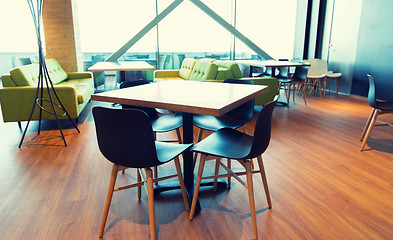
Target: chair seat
285,80
168,151
168,122
333,75
385,105
212,123
222,142
316,75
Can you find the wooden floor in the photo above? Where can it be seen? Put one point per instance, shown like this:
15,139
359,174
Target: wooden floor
322,186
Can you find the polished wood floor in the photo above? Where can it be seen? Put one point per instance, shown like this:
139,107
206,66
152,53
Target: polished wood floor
322,186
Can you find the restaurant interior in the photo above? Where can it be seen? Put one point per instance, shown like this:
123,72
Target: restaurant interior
311,159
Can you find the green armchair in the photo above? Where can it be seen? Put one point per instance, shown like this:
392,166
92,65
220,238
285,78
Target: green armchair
19,88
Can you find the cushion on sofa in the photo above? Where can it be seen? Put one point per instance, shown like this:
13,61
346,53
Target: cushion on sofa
84,87
25,75
203,70
28,75
231,66
186,68
56,72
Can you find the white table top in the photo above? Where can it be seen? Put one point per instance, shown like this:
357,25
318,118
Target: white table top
185,96
121,66
272,63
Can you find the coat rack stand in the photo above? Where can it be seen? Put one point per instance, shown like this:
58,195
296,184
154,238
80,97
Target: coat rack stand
36,12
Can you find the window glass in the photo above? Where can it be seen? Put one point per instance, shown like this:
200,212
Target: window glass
189,32
269,24
17,27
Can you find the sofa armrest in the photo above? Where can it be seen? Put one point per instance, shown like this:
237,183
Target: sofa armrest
78,75
269,96
7,81
166,73
17,102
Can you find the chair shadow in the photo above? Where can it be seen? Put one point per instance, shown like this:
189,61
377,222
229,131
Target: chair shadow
168,207
379,144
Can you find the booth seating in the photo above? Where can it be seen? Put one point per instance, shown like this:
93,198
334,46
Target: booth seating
208,69
20,86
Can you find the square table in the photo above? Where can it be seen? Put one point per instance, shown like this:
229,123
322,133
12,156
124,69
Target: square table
189,97
122,67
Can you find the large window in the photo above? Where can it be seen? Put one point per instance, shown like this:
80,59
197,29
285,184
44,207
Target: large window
187,31
269,24
193,35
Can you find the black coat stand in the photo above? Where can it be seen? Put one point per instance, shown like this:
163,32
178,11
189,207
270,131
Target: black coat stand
36,12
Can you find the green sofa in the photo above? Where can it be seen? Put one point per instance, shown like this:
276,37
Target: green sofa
231,70
212,70
19,88
190,69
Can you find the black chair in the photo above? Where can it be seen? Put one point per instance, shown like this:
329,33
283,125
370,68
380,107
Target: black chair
160,123
125,137
267,72
235,118
283,72
379,107
298,79
232,144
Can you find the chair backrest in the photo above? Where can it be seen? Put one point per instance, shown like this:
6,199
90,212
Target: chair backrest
151,112
262,130
282,72
203,70
300,73
125,137
317,66
268,71
371,91
245,111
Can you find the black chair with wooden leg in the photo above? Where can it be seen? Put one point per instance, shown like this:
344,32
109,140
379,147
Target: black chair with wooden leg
160,123
235,118
232,144
125,137
298,78
379,107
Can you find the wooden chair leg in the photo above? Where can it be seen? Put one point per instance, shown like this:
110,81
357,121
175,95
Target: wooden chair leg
178,136
304,93
264,180
181,182
251,199
150,196
216,171
293,91
229,163
197,185
320,87
155,173
335,79
367,124
199,137
289,93
374,118
108,201
139,179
